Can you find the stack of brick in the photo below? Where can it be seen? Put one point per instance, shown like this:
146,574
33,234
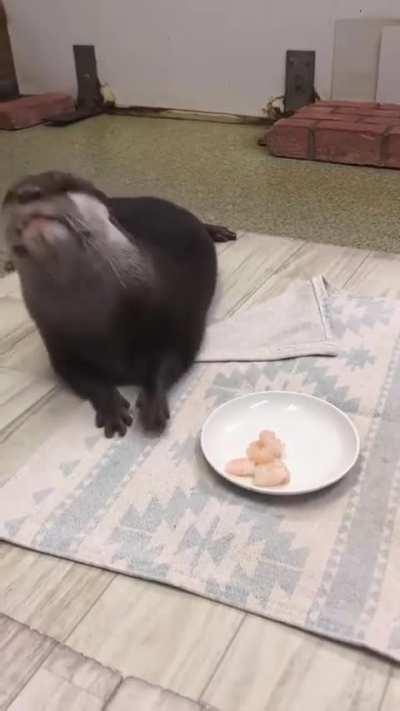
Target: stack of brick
357,133
32,110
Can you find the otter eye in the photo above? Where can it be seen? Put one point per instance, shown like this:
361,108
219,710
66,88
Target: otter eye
20,250
28,193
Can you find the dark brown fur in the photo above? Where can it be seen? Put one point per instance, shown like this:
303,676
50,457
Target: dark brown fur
107,318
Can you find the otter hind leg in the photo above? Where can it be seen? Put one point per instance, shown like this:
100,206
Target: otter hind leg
218,233
152,401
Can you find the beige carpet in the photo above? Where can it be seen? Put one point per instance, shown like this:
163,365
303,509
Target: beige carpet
151,508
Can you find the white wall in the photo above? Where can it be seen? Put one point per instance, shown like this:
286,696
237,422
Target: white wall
211,55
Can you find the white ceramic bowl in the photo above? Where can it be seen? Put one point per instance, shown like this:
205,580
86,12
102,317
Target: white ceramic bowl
321,442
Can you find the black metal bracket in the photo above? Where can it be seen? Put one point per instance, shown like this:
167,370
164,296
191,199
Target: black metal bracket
300,79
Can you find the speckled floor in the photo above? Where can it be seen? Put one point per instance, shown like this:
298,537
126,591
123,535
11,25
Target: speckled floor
221,173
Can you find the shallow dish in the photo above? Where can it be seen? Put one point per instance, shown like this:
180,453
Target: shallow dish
321,442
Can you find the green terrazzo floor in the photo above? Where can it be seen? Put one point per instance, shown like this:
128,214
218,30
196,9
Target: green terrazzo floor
220,172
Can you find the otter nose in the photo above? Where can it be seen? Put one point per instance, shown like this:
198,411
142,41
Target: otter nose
28,193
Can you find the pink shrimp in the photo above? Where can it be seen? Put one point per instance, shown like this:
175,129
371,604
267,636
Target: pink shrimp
240,467
274,474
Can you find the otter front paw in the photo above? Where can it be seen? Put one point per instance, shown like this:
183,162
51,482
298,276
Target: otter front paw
153,411
115,417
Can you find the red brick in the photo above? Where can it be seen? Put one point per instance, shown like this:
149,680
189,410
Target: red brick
291,138
349,142
315,113
372,113
360,133
392,149
31,110
389,107
387,114
320,108
349,104
351,111
350,125
379,121
319,117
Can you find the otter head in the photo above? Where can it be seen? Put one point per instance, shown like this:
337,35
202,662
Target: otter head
58,226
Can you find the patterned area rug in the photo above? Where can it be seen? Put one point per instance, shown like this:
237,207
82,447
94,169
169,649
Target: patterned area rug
328,562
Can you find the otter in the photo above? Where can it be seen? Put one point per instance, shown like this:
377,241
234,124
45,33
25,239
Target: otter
119,289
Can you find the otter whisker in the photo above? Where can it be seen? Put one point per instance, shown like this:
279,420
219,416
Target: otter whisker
80,228
105,258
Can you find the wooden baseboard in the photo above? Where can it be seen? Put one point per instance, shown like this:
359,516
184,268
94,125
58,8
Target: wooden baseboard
182,115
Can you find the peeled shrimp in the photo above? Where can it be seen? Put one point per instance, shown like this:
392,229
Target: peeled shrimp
273,444
240,467
274,474
260,454
263,462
